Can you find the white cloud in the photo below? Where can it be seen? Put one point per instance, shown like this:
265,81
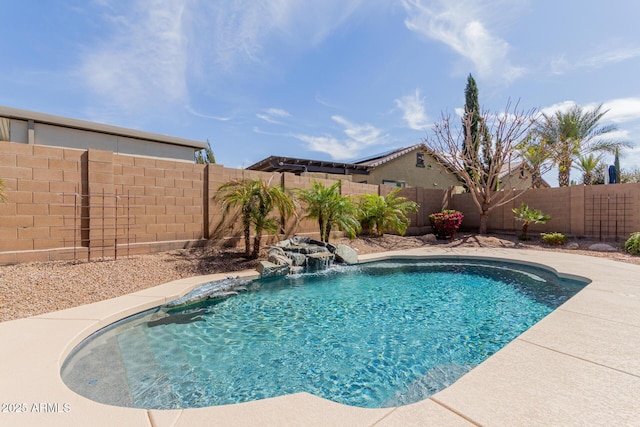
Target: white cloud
337,149
622,110
142,61
358,138
150,47
611,56
205,116
563,106
463,26
618,111
603,57
277,112
413,112
362,134
271,115
239,32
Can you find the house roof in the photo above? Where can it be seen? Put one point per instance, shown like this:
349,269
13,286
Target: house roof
380,159
358,167
512,168
298,166
15,113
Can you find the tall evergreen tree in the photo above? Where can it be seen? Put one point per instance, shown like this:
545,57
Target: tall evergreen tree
476,135
616,163
471,142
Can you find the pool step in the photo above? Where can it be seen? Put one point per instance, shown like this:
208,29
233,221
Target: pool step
147,379
433,381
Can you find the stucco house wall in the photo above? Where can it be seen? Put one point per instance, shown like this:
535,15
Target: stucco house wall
405,168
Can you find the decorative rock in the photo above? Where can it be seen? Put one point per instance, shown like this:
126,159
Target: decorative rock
283,243
275,250
345,254
278,259
428,238
269,269
298,260
573,245
298,252
602,247
212,290
319,261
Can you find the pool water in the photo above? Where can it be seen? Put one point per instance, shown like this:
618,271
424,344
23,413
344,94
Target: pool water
375,335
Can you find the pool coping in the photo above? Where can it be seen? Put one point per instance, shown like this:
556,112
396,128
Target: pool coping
577,366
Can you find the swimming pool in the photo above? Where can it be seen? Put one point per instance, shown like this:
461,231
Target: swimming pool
380,334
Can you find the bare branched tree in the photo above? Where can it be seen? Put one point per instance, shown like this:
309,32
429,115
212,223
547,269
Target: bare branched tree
482,177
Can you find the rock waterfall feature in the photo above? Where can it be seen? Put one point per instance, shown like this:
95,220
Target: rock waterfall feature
304,255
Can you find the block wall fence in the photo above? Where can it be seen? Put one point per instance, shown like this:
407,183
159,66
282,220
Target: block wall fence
78,204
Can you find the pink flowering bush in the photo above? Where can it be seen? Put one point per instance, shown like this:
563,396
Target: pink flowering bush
445,223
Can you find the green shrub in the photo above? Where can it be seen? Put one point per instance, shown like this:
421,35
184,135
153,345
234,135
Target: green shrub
554,239
632,245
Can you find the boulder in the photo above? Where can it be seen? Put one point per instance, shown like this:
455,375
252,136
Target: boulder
212,290
573,245
297,259
602,247
304,254
319,261
428,238
345,254
278,259
269,269
275,250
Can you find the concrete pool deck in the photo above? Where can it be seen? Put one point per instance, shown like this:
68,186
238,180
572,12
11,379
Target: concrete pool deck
580,365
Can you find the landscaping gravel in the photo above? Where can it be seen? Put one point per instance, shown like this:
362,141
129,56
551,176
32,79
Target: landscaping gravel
41,287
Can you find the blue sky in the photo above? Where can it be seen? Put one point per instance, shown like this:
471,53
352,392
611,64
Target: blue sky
330,79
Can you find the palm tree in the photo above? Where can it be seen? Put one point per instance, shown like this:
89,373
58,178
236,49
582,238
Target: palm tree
387,213
574,133
527,215
537,155
330,208
256,200
267,199
588,165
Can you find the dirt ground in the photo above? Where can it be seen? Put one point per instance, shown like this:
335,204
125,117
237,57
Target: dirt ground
36,288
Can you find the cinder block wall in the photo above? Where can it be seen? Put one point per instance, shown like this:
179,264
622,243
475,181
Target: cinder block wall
35,217
166,197
164,204
597,211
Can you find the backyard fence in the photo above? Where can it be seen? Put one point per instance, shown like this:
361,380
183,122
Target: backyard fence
85,204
